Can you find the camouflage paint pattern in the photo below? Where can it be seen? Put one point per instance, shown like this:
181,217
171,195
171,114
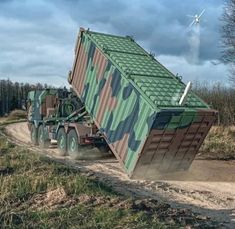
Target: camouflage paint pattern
39,101
131,107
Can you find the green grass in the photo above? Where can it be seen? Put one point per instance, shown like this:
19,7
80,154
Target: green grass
37,192
219,144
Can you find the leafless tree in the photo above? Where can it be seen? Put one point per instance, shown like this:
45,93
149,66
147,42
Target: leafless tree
228,37
219,97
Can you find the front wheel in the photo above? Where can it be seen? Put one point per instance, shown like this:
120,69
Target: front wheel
62,142
43,140
34,134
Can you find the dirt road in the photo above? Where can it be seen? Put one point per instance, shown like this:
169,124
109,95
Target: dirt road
208,187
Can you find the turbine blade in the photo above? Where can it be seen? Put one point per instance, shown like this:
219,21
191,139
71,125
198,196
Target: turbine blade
191,23
201,13
190,16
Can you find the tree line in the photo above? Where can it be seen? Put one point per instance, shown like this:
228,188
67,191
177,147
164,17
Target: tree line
13,95
220,98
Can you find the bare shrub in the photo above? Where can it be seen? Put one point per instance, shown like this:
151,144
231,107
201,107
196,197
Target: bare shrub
219,97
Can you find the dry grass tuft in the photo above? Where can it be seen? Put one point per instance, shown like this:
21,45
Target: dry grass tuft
219,144
17,114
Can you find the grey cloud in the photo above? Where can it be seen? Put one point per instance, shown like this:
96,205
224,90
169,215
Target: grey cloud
32,46
37,37
204,72
161,25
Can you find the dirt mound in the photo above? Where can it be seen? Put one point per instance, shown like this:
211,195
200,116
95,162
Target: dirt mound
51,199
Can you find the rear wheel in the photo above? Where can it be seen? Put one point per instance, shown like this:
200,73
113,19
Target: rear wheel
74,148
34,134
62,142
43,140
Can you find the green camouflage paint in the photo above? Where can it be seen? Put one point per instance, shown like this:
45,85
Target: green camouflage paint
129,95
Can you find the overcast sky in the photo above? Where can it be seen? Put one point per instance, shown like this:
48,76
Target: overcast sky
37,37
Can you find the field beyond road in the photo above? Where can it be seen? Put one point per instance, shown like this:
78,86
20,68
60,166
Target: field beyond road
202,197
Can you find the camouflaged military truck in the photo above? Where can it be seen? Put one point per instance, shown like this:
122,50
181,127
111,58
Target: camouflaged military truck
147,116
56,114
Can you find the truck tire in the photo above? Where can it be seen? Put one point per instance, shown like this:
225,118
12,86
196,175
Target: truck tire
34,134
43,141
74,148
62,142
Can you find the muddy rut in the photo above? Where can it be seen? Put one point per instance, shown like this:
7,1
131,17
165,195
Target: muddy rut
207,188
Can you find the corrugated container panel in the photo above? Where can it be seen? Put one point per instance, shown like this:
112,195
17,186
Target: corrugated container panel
166,92
140,65
133,100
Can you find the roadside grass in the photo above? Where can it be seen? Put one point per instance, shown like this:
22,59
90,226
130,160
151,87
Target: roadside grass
17,114
3,120
37,192
14,116
219,144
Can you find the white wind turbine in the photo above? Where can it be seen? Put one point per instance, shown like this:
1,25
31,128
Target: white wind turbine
196,18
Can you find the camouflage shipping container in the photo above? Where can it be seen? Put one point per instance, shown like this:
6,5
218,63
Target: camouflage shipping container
134,101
